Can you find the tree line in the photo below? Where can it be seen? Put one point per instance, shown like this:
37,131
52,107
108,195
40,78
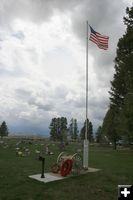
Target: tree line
60,130
118,121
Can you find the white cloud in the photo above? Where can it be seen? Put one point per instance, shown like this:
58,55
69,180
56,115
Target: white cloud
43,61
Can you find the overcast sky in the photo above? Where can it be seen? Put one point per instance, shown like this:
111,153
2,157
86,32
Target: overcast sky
42,60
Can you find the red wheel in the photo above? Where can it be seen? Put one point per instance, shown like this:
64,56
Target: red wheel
66,167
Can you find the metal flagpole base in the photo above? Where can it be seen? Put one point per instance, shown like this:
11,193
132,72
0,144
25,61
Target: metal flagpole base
85,154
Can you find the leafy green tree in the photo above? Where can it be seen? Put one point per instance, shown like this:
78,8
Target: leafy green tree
89,132
3,129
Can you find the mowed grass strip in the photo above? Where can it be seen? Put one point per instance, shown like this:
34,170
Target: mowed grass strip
116,168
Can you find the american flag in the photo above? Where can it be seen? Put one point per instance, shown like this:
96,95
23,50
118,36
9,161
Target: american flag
100,40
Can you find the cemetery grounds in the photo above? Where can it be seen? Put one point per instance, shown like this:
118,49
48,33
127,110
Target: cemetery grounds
116,169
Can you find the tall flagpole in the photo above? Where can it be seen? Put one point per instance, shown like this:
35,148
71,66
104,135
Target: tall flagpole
86,142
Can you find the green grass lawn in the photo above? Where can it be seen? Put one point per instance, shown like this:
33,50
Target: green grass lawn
117,168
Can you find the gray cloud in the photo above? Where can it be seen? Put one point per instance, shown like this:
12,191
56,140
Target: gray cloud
37,11
60,92
25,9
104,16
23,93
42,106
76,102
39,101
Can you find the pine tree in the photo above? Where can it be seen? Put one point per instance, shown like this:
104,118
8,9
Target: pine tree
63,129
109,127
123,77
117,118
125,125
3,129
99,134
58,128
82,133
89,132
53,129
73,129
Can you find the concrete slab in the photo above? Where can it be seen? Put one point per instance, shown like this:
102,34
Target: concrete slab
93,169
48,177
55,177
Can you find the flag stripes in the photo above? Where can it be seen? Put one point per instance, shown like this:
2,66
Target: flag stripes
100,40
